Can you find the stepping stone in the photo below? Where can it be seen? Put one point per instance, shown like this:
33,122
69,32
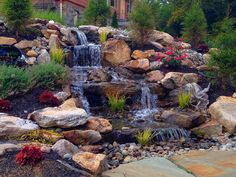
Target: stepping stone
152,167
208,163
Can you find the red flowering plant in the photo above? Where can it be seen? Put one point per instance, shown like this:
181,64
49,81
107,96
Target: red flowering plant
49,99
5,105
172,57
29,155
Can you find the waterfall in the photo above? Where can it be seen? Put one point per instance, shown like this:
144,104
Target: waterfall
148,103
86,57
86,54
81,36
166,134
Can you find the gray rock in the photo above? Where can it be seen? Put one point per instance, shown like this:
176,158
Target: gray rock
7,147
44,57
64,147
15,126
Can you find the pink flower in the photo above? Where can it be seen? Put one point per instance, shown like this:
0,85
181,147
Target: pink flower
168,59
183,56
169,52
177,58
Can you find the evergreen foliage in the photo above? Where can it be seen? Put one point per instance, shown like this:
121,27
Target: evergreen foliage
195,25
97,12
141,21
114,22
17,13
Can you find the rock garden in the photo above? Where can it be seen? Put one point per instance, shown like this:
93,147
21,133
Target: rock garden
78,101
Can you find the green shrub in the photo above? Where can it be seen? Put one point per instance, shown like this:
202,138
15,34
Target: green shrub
114,22
184,99
141,21
13,80
57,55
144,137
48,75
97,12
48,15
195,25
17,13
103,36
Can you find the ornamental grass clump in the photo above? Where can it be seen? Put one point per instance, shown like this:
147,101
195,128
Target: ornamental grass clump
116,102
29,155
184,99
144,137
103,36
57,55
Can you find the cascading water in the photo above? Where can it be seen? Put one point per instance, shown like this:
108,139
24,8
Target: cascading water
86,57
148,103
166,134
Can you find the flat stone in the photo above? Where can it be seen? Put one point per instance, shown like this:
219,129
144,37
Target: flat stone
7,147
183,119
24,44
209,130
7,40
224,112
154,76
32,53
59,117
82,137
208,163
140,65
152,167
15,126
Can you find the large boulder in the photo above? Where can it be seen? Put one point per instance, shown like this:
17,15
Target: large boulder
82,137
63,117
64,147
15,126
68,37
161,37
116,52
140,65
8,147
224,111
174,80
189,119
24,44
7,40
99,124
95,163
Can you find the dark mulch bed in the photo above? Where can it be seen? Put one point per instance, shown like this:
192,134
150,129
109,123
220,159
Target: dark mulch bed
22,105
48,167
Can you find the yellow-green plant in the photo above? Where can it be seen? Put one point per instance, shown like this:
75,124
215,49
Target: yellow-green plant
116,102
103,36
144,137
57,55
184,99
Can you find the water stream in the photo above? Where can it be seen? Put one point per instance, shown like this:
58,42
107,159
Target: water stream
86,57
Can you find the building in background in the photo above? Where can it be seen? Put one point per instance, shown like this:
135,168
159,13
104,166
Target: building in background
72,10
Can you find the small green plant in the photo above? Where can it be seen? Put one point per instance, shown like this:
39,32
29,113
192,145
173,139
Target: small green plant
57,55
48,15
184,99
103,36
13,80
114,22
144,137
116,102
48,75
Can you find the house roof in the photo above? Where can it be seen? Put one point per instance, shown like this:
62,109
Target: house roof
81,3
